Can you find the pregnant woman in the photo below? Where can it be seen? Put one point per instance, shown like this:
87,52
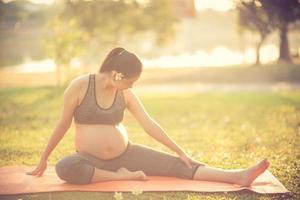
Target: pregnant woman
103,152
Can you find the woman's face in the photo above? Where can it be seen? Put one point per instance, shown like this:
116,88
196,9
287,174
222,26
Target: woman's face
126,83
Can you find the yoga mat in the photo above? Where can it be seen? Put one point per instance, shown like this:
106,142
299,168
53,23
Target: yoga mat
14,180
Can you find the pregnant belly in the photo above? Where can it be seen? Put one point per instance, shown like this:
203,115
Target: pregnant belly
102,141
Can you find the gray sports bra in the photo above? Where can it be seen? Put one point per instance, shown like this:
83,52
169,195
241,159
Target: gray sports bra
89,112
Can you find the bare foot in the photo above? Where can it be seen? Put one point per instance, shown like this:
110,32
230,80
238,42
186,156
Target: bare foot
136,175
250,174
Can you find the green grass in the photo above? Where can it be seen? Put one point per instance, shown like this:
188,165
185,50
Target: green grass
222,129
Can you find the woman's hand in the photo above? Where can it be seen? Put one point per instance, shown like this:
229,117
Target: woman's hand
39,170
189,161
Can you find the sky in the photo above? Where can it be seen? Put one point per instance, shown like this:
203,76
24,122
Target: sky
219,5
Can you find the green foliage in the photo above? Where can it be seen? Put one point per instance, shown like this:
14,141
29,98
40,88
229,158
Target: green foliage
110,21
253,17
65,42
267,15
160,18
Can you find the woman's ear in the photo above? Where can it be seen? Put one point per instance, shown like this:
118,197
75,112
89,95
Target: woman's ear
113,75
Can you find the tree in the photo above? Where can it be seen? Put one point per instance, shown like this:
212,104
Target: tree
253,17
112,21
64,43
282,13
266,16
160,17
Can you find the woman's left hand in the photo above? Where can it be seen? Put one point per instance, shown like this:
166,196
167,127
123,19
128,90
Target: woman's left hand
188,161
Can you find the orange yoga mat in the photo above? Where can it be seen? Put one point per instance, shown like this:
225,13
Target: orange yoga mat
13,180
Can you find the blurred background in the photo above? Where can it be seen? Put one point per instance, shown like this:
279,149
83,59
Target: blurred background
222,77
49,42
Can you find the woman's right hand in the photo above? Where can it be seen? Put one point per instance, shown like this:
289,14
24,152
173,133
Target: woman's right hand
39,170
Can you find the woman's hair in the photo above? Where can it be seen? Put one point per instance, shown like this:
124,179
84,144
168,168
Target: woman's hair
122,61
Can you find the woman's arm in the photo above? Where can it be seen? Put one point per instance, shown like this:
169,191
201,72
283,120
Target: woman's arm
150,126
65,120
70,102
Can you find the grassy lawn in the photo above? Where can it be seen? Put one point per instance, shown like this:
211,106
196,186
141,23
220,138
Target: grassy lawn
223,129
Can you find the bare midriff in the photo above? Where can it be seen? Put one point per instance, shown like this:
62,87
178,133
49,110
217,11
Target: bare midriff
101,140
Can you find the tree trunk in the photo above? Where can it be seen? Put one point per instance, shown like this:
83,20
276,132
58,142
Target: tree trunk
284,54
262,39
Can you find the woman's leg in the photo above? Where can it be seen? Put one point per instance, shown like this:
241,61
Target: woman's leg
243,177
152,162
73,169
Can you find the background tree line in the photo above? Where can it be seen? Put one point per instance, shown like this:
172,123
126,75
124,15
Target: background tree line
87,29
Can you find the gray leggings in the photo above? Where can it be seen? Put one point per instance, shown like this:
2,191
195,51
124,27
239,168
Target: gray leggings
79,167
